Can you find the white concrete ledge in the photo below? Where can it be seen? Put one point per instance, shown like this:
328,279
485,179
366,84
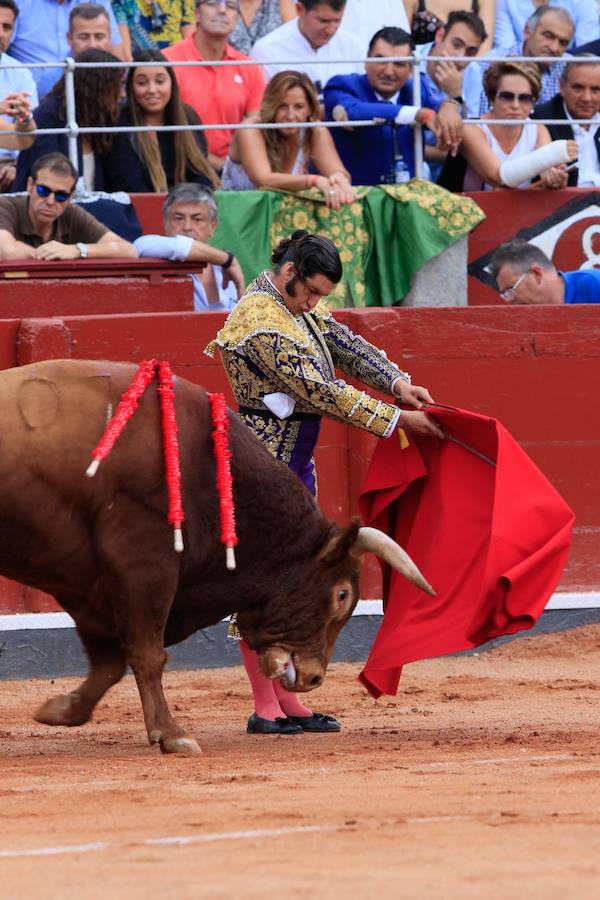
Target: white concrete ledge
32,621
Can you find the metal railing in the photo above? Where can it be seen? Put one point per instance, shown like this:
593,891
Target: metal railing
73,130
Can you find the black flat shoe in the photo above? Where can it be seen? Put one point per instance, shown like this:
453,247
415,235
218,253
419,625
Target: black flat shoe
258,725
316,722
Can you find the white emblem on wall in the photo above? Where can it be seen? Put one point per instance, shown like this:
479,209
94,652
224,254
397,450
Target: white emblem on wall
548,239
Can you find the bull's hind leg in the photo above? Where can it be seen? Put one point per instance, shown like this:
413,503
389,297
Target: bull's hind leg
107,667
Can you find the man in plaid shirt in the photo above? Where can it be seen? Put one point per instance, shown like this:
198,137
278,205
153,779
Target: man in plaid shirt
548,32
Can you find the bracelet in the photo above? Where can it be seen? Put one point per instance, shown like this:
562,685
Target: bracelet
228,261
426,115
23,122
311,180
451,100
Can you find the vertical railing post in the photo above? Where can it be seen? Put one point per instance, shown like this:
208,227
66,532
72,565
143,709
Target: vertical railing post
418,131
72,126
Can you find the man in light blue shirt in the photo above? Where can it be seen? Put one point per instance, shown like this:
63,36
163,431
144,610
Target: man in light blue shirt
190,218
40,36
548,32
511,16
14,79
525,275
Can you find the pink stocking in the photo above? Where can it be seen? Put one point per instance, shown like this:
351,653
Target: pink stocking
266,703
290,701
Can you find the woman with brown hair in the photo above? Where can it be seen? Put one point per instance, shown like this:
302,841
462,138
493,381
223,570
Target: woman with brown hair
97,97
154,161
281,158
493,152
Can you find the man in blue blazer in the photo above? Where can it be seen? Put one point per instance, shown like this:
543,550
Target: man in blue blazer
385,93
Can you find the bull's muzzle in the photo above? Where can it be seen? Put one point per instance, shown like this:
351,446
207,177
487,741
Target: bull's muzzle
294,673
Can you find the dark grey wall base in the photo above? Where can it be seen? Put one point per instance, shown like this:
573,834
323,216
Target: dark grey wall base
56,652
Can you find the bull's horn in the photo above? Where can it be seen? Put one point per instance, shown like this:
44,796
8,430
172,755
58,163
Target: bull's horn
372,540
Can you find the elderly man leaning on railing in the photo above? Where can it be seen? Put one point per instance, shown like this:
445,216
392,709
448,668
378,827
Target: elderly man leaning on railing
190,219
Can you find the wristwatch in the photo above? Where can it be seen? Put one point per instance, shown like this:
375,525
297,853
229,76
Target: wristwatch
229,260
83,250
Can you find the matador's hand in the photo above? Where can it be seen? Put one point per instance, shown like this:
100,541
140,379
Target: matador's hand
420,423
411,394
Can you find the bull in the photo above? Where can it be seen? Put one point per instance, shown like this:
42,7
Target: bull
104,549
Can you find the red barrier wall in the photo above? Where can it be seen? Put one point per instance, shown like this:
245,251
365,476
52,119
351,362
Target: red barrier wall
536,369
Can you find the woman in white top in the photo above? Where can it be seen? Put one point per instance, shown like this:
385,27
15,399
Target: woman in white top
512,89
280,158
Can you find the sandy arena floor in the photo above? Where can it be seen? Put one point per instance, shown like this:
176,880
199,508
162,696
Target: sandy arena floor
480,780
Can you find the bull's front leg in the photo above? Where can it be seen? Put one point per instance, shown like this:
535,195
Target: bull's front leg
140,574
147,662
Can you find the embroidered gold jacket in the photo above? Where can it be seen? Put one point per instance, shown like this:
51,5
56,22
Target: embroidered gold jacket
266,349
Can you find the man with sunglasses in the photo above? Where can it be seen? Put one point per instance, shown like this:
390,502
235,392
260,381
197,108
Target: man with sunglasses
525,275
46,225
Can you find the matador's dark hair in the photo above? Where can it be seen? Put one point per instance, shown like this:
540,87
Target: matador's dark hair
312,254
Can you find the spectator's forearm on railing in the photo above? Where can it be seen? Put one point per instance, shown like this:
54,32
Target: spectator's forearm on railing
111,244
12,249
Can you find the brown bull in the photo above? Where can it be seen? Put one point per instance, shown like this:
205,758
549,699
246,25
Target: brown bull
104,549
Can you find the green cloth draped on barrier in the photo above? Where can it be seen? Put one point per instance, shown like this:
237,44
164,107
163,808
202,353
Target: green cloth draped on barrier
384,237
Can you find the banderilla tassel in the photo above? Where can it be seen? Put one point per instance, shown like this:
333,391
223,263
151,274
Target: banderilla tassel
171,451
224,480
125,410
127,406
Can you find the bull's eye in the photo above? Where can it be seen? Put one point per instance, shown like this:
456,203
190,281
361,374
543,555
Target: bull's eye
343,595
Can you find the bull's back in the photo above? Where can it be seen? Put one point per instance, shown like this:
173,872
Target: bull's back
52,415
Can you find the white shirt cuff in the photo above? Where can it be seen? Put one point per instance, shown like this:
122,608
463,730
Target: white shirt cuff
407,115
392,425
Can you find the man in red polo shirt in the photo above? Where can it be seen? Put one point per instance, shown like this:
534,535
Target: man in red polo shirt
218,93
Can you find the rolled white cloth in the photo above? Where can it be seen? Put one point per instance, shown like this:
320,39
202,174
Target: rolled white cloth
282,405
514,172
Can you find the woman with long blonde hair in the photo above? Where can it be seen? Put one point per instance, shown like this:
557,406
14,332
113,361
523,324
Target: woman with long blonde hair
282,158
154,161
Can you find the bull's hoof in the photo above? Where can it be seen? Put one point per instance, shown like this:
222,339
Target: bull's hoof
187,746
64,709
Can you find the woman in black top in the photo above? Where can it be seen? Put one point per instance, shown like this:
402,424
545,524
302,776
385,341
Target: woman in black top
154,161
97,104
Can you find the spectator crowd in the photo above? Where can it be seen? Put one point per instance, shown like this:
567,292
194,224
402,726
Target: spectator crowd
288,67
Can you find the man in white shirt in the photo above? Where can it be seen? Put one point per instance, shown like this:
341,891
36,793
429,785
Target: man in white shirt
311,43
579,99
13,81
363,18
190,218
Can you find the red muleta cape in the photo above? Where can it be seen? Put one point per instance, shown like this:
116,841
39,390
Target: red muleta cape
486,528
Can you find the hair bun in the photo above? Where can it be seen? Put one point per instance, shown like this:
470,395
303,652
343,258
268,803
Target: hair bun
300,233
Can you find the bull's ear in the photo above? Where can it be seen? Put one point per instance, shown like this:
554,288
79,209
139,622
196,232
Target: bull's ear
340,543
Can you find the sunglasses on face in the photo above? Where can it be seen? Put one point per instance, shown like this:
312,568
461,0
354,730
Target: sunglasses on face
510,97
44,191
